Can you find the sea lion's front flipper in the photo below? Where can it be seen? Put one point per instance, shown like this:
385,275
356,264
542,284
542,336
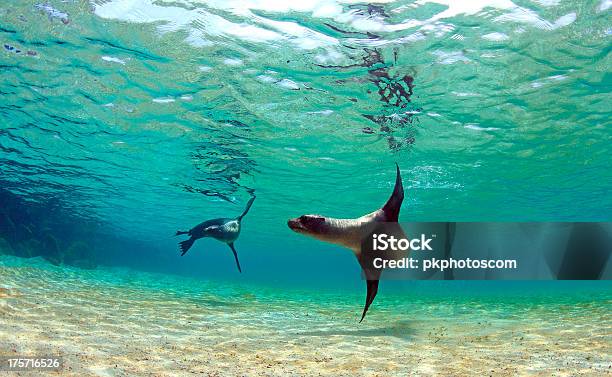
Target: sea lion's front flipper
231,245
372,290
371,275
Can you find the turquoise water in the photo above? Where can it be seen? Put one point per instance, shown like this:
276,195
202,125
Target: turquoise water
146,117
152,116
137,118
149,115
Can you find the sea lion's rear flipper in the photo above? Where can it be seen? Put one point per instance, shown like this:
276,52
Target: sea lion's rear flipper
393,205
186,245
248,207
179,232
231,245
372,290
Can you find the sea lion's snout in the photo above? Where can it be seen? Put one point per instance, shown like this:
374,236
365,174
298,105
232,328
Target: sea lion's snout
295,224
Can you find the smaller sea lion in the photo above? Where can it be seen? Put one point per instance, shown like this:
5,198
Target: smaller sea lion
225,230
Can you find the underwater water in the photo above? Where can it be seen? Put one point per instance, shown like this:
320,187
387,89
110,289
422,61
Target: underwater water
122,122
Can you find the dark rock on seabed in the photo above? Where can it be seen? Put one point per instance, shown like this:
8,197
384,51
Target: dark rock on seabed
41,229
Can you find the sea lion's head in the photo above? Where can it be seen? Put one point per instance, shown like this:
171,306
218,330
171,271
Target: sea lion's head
326,229
312,225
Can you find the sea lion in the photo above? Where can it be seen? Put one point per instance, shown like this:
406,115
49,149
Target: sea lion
223,229
354,234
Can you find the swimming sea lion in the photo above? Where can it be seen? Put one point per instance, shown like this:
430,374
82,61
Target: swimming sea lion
224,229
353,234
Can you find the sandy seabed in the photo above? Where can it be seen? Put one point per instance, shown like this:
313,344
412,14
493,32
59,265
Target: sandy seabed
122,323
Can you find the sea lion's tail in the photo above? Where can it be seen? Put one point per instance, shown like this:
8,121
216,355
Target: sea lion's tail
186,245
248,207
